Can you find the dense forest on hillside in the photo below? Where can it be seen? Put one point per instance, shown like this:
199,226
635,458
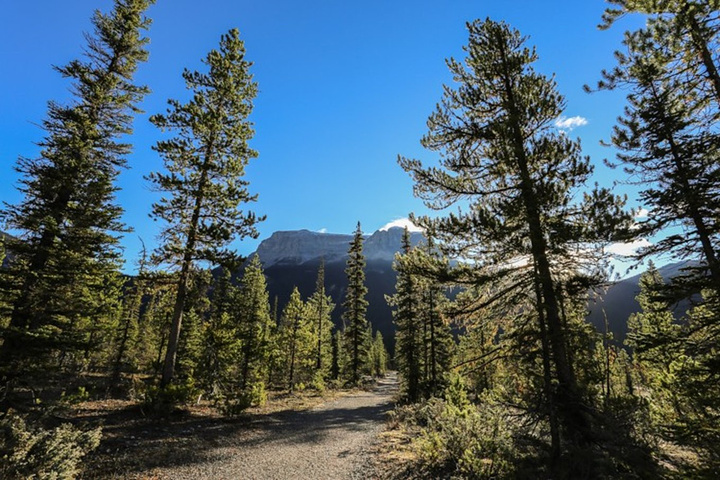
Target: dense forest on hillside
501,375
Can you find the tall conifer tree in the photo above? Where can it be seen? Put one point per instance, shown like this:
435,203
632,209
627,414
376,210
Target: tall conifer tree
503,159
205,165
68,219
255,326
319,310
355,305
669,143
666,147
296,340
408,328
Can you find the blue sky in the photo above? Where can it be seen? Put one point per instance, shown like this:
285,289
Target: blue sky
344,88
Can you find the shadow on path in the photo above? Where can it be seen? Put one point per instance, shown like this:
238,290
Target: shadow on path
186,440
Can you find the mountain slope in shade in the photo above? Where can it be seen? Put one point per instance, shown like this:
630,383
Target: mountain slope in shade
619,302
292,258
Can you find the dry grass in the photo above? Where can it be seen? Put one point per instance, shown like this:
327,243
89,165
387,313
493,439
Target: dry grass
393,456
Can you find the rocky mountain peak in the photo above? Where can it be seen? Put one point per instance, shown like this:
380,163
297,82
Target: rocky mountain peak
301,246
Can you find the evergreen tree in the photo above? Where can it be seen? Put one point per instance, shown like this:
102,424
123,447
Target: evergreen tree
515,177
319,310
378,355
190,344
355,305
647,328
205,164
296,341
408,329
666,149
437,341
68,218
154,324
675,370
669,144
128,328
695,373
688,31
221,343
337,365
255,327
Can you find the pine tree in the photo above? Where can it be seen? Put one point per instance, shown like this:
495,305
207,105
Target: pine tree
437,341
319,310
337,365
128,328
688,31
221,343
296,341
190,344
68,218
408,329
205,164
515,178
355,306
666,149
670,145
254,329
378,355
154,323
647,328
696,386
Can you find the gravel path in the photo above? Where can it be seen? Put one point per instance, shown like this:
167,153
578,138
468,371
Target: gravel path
328,441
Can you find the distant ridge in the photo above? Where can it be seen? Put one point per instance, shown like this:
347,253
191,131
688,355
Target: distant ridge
292,258
619,301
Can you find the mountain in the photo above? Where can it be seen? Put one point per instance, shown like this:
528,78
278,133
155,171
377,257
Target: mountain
292,258
619,302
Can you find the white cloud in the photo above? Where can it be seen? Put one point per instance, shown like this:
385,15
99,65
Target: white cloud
402,223
642,213
570,123
322,230
627,249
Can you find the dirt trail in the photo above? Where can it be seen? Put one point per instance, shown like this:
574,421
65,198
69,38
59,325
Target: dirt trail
328,441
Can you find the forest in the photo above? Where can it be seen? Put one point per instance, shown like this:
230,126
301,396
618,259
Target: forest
500,373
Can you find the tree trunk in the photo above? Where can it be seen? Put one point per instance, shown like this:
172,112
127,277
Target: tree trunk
555,448
174,338
433,355
318,365
701,46
694,205
568,397
175,326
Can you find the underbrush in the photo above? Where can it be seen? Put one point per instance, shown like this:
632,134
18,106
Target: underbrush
459,439
455,438
30,451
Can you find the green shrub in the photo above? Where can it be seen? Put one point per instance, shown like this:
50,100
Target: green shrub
32,452
165,400
468,441
460,439
82,395
254,396
318,382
